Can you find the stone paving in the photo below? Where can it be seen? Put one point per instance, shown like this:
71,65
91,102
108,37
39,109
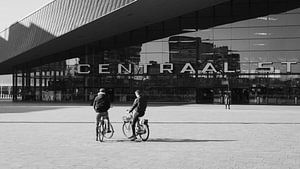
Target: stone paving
183,136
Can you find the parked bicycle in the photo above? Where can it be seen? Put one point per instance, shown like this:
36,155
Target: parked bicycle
102,129
141,128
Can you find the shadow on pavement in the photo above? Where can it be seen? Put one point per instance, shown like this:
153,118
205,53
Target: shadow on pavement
171,140
27,109
185,140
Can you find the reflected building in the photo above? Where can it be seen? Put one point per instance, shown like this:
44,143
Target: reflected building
184,49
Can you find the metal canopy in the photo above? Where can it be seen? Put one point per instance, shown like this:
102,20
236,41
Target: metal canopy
135,15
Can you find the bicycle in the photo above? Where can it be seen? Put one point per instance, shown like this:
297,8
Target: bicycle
141,128
102,129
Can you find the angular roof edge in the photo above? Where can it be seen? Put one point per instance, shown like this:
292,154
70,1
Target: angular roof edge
65,24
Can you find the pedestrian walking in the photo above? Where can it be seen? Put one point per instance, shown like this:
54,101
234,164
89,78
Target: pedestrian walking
227,100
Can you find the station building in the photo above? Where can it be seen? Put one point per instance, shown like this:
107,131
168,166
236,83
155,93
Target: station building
190,51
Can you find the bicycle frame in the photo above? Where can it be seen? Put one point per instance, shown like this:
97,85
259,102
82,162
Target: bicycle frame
142,128
102,129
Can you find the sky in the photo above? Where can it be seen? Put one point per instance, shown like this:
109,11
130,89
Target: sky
12,11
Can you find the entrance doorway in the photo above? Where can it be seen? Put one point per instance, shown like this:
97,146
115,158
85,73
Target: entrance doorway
239,96
205,95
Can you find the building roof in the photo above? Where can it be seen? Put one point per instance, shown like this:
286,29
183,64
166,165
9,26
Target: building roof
65,24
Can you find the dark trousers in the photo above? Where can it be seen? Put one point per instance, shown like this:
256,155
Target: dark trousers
98,117
136,116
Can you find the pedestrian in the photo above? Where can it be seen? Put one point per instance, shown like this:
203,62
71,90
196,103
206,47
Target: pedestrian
227,100
92,98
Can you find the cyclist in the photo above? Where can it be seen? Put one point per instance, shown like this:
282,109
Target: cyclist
139,106
101,105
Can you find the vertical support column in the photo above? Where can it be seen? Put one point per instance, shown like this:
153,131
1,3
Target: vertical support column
14,87
0,90
197,66
34,85
23,85
130,77
99,59
45,88
54,83
144,86
50,88
63,81
92,75
86,76
40,84
197,56
28,84
17,84
45,79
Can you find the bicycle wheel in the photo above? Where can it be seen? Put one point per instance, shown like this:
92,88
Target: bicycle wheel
101,131
143,132
109,135
127,131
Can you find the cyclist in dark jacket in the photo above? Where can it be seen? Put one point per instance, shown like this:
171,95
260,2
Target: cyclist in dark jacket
139,107
101,105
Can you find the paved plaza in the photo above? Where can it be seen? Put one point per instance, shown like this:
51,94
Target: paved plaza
183,136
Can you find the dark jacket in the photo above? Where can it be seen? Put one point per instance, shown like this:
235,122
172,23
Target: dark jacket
101,103
227,99
139,105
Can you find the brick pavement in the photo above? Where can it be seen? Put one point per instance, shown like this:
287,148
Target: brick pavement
182,136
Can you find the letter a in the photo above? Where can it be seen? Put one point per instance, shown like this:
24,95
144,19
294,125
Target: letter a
188,68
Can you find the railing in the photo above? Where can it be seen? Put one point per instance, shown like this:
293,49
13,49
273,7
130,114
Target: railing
6,97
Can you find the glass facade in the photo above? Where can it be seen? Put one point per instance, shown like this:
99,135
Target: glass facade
257,60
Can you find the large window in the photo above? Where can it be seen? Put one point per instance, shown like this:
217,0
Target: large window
192,58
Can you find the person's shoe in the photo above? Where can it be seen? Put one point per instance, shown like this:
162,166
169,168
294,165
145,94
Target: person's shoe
97,139
141,131
132,138
108,131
